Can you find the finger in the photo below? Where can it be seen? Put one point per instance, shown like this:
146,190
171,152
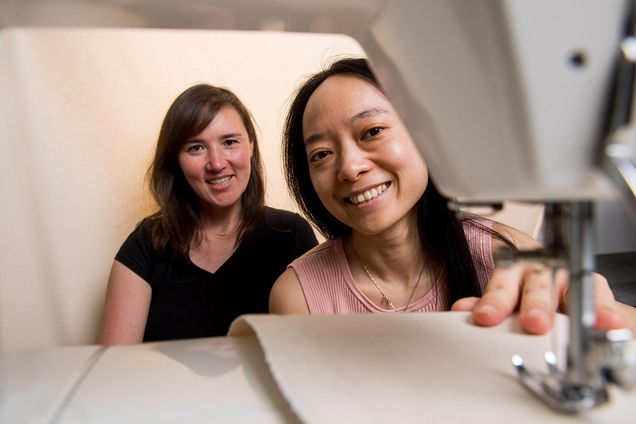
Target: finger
605,306
539,299
500,297
606,309
465,304
608,319
628,316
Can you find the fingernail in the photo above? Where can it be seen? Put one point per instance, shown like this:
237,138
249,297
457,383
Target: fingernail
486,310
537,314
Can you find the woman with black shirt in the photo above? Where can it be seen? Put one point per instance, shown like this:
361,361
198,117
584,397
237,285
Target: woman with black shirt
213,249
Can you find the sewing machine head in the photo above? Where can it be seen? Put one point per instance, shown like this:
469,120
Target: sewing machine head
507,99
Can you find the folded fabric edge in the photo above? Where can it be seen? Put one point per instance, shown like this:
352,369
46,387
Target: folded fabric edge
243,326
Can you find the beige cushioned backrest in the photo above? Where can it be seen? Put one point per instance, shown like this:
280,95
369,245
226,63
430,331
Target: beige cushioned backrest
79,117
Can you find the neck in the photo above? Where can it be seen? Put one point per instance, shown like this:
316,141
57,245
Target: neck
398,259
220,222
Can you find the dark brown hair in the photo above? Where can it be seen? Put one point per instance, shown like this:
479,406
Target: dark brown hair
173,227
440,229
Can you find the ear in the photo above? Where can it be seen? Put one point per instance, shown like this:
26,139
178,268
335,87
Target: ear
251,148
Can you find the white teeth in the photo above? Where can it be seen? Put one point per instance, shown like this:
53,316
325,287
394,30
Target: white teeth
217,181
368,195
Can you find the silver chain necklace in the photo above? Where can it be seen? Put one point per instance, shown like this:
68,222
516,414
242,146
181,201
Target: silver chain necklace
385,298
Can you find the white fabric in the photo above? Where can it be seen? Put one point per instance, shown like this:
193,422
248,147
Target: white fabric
34,383
210,380
367,368
433,367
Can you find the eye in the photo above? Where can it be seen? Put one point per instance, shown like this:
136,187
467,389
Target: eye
319,155
230,141
195,148
373,132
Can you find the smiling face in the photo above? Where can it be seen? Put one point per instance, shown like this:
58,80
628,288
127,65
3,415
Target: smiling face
216,162
363,163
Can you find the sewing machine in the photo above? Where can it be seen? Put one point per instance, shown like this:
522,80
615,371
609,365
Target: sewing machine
540,92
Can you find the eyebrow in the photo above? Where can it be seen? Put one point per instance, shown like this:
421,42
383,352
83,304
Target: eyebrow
369,112
313,138
364,114
232,135
196,138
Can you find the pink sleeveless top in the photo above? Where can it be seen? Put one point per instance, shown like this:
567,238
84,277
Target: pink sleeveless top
329,287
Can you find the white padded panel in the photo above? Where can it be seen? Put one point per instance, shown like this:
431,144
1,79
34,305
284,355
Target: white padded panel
79,118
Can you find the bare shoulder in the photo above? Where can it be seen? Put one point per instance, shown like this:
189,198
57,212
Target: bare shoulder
287,296
520,239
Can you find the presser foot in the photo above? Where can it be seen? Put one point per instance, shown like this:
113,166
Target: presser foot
611,359
553,389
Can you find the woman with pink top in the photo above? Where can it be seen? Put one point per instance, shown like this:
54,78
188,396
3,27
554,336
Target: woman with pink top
392,243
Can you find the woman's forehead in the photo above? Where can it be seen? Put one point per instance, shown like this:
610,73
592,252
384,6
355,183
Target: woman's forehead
344,96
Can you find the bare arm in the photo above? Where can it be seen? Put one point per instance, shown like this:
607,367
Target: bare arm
287,295
126,310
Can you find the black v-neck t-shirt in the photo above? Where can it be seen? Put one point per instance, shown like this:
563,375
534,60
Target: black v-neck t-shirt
188,301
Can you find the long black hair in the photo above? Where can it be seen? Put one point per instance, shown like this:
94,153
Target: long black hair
440,229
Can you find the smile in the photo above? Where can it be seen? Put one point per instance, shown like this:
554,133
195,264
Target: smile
368,195
219,181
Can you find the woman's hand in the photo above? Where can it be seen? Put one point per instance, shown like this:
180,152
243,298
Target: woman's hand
528,286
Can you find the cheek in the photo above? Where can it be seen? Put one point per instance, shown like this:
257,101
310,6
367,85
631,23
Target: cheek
418,164
244,158
419,176
407,162
416,169
316,182
410,158
403,152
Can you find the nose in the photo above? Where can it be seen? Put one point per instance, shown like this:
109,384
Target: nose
353,162
215,160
